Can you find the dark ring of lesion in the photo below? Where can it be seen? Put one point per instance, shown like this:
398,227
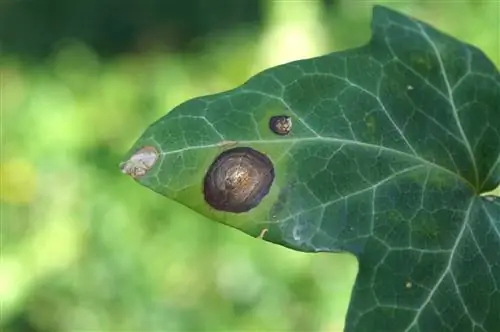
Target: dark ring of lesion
238,179
280,124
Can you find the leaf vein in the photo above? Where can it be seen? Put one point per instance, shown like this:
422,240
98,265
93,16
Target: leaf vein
447,269
451,99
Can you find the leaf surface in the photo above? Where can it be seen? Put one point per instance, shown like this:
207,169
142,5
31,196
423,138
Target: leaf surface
391,147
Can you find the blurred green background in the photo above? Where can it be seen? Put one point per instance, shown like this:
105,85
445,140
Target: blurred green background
84,248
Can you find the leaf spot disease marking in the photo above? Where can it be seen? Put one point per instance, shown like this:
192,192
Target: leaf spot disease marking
140,162
408,284
409,87
238,180
281,125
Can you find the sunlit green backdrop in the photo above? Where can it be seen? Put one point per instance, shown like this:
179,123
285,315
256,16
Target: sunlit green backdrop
84,248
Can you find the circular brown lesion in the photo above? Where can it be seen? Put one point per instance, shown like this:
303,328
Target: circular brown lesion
280,124
238,180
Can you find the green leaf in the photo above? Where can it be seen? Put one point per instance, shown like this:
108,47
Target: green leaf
390,148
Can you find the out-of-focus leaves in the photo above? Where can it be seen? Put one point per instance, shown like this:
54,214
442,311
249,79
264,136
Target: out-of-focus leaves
18,183
33,28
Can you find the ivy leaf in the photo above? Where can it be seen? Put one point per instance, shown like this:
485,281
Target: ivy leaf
384,151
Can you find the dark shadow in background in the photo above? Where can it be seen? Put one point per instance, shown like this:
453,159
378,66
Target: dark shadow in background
32,28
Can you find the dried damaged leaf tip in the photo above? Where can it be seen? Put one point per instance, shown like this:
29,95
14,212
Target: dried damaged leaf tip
238,180
281,125
140,162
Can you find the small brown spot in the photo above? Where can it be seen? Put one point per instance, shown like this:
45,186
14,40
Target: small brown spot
140,162
281,125
238,180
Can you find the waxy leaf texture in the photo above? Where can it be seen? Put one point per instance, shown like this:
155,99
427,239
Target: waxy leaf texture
391,147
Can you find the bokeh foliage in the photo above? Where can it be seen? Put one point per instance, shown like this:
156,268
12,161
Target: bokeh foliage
85,248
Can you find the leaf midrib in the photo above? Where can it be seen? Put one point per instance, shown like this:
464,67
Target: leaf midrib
328,140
